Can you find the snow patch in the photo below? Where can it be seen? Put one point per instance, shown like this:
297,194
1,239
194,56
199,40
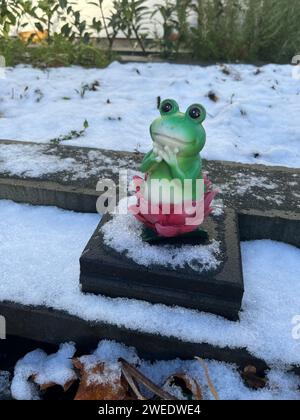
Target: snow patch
56,368
245,183
246,124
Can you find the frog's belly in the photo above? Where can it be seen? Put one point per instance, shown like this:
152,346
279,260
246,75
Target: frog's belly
161,188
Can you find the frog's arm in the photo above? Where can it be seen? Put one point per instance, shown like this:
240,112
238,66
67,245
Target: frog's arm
192,173
149,162
195,169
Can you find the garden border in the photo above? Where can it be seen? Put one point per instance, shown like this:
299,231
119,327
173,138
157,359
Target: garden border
258,219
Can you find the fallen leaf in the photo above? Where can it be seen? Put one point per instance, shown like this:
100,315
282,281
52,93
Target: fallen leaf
251,378
212,96
66,386
184,387
101,381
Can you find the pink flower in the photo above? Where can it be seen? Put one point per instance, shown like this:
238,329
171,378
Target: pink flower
179,219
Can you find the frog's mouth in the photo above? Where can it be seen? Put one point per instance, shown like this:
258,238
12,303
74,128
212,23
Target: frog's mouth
165,140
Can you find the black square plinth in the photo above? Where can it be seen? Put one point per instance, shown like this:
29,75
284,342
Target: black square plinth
220,291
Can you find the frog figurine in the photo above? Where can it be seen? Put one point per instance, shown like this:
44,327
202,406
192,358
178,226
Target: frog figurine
175,160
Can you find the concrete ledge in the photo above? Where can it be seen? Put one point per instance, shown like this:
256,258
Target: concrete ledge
275,225
242,187
46,193
55,327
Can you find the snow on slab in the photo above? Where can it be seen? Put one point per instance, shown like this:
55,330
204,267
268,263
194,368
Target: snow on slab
124,234
256,119
39,265
30,160
225,377
36,160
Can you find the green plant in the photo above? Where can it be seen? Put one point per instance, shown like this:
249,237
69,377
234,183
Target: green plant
60,52
10,12
129,17
272,29
174,16
50,10
106,23
98,24
61,11
73,134
247,30
75,26
217,34
87,87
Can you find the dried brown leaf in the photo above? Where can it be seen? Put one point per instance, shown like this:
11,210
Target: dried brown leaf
140,378
189,387
100,382
47,385
251,378
133,385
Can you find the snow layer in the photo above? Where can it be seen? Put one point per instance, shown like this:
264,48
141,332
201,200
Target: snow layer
37,160
30,160
255,120
56,368
39,265
225,377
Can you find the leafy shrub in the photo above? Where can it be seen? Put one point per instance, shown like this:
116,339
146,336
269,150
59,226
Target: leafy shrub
129,18
10,12
248,30
176,30
60,52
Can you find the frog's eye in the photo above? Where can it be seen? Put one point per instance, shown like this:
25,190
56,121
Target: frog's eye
169,106
197,113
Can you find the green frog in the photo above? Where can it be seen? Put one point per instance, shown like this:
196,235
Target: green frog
178,139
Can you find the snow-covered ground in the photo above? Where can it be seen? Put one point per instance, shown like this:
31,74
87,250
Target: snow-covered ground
57,368
255,119
39,265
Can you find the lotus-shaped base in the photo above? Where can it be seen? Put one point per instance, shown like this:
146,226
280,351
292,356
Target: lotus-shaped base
180,219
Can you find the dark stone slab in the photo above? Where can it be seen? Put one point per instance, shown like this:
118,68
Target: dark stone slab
55,327
274,225
219,291
47,193
242,187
